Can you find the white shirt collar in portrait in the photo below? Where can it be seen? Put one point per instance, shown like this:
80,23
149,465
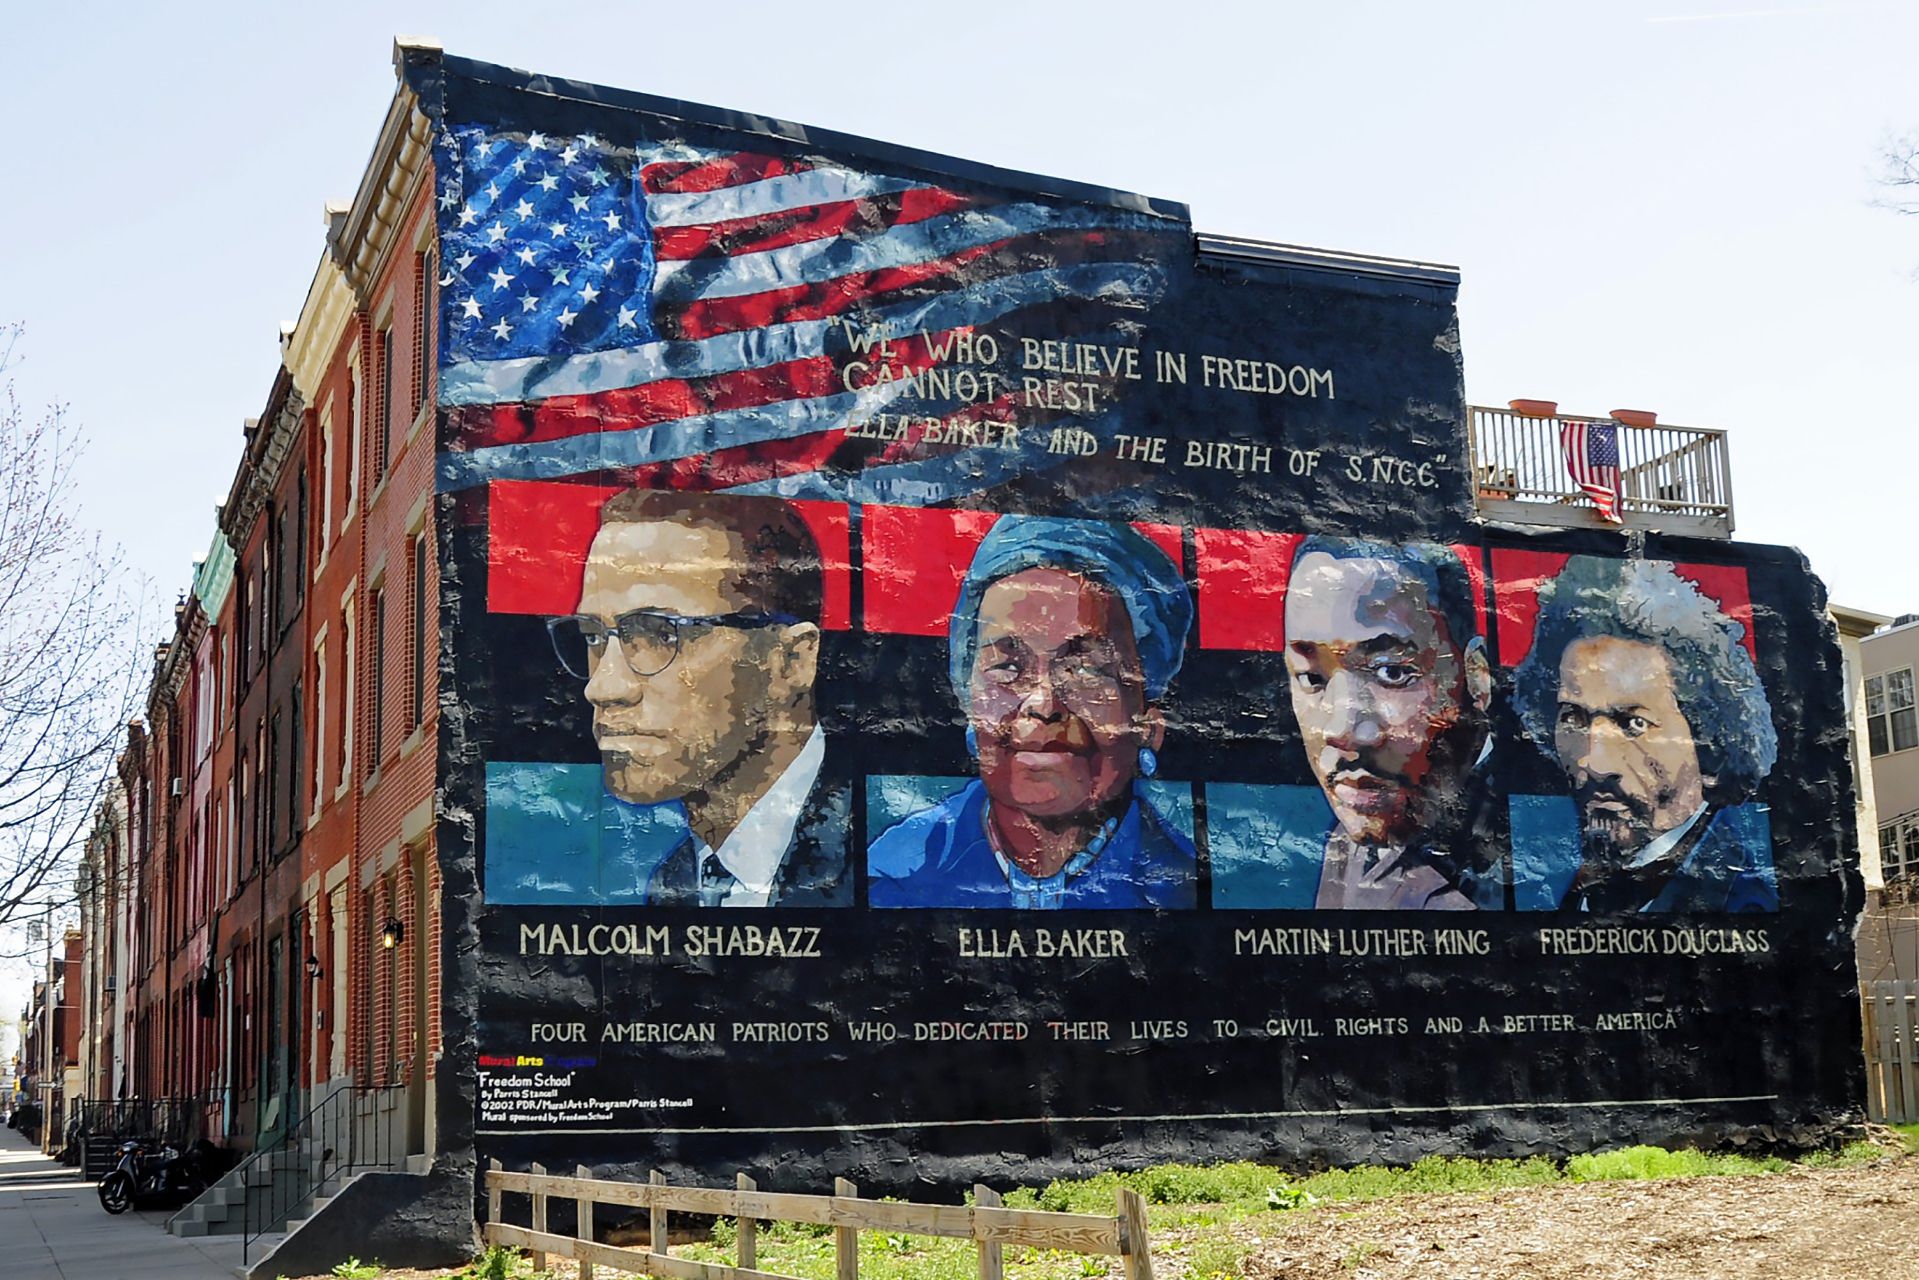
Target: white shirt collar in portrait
753,852
1661,845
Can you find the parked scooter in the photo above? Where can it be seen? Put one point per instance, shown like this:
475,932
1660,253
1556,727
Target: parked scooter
145,1173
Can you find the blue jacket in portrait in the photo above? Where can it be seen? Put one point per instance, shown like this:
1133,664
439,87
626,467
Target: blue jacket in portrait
940,857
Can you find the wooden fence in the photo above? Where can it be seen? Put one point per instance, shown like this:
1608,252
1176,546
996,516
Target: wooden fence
991,1226
1891,1019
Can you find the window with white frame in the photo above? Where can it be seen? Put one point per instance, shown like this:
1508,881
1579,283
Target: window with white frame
1899,847
321,754
349,710
356,417
1892,723
326,486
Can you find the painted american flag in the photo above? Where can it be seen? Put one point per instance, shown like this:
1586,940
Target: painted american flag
1592,459
664,314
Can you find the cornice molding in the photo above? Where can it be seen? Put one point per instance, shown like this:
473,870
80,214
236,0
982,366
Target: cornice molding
307,350
267,453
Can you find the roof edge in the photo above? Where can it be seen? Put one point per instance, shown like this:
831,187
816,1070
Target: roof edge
1244,249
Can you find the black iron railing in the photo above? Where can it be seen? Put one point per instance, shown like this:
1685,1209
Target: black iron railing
95,1127
347,1131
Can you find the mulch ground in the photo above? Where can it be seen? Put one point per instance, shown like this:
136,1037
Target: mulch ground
1832,1224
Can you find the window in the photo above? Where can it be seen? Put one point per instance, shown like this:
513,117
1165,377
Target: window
422,327
1892,724
376,677
299,535
326,484
295,814
370,1004
416,667
1899,847
259,785
321,756
348,708
382,404
356,414
276,804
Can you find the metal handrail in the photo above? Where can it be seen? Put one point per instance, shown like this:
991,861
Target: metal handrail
334,1129
1664,470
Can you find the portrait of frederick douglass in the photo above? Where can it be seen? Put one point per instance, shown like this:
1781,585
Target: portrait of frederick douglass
1641,688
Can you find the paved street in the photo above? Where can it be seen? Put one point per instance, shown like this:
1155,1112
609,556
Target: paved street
53,1228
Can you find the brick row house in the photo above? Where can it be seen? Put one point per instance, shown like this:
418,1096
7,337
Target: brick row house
259,890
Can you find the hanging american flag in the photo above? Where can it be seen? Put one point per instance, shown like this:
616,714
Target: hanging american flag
1592,459
680,316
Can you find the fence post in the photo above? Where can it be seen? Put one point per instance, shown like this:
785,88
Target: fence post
992,1255
1888,1050
749,1229
658,1215
1132,1235
1902,994
846,1240
492,1194
583,1220
1875,1102
539,1212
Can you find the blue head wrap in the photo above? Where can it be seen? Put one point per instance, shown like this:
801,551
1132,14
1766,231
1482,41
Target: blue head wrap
1115,556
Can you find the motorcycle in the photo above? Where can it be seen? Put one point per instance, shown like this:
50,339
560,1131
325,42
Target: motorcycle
143,1173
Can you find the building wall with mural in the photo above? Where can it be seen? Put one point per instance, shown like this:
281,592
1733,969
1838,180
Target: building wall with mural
948,675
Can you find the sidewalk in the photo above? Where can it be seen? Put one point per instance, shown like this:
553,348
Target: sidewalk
53,1228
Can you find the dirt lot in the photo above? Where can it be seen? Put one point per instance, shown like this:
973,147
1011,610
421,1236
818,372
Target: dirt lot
1841,1224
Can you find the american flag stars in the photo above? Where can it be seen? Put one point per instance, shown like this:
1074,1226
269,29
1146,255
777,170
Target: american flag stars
524,276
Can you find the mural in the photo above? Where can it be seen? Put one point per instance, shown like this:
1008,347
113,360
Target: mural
1080,649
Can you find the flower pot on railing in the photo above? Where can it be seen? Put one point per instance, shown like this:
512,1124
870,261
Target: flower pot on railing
1635,417
1534,408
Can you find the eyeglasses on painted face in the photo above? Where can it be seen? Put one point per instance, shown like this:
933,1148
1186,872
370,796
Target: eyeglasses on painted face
649,639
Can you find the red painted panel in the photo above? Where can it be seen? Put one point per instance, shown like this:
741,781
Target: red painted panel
913,560
1518,575
1242,587
539,531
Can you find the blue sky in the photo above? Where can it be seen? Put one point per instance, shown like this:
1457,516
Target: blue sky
1661,205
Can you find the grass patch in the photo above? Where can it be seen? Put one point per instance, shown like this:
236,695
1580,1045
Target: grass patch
1909,1134
1638,1163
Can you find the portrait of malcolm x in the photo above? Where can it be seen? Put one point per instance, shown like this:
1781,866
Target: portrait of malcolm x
697,637
1642,690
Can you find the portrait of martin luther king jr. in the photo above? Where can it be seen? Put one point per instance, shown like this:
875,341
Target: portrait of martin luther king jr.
697,636
1391,688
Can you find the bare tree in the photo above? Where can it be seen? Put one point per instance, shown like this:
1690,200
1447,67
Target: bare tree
1899,174
70,672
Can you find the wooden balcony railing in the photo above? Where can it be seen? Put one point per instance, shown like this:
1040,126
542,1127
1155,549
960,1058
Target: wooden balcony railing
1672,479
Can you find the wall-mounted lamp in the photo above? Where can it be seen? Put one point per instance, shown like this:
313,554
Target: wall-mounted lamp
314,971
392,933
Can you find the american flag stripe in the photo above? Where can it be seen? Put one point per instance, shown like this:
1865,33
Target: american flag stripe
795,226
928,481
540,377
634,408
769,195
699,433
921,242
697,170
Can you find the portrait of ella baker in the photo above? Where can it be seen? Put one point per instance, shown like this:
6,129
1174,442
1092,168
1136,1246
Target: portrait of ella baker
1062,646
